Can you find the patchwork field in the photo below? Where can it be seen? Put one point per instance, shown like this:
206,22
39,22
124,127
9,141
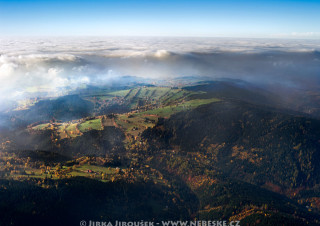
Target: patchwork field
147,104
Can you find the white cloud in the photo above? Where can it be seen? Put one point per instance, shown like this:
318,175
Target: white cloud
162,53
308,35
7,69
57,62
53,72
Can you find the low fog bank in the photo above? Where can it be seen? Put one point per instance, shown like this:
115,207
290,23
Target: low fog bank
46,66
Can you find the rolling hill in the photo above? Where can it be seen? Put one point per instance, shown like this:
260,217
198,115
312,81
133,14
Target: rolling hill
257,144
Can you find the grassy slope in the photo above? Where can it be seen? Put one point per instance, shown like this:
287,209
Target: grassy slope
137,122
90,125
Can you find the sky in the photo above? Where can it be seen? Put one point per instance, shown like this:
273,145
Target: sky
188,18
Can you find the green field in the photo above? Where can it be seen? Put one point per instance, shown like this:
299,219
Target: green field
167,111
90,125
120,93
41,126
97,169
140,96
153,94
66,130
72,130
136,123
62,131
111,95
98,172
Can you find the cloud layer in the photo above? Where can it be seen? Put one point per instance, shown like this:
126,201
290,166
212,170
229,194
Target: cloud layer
50,64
